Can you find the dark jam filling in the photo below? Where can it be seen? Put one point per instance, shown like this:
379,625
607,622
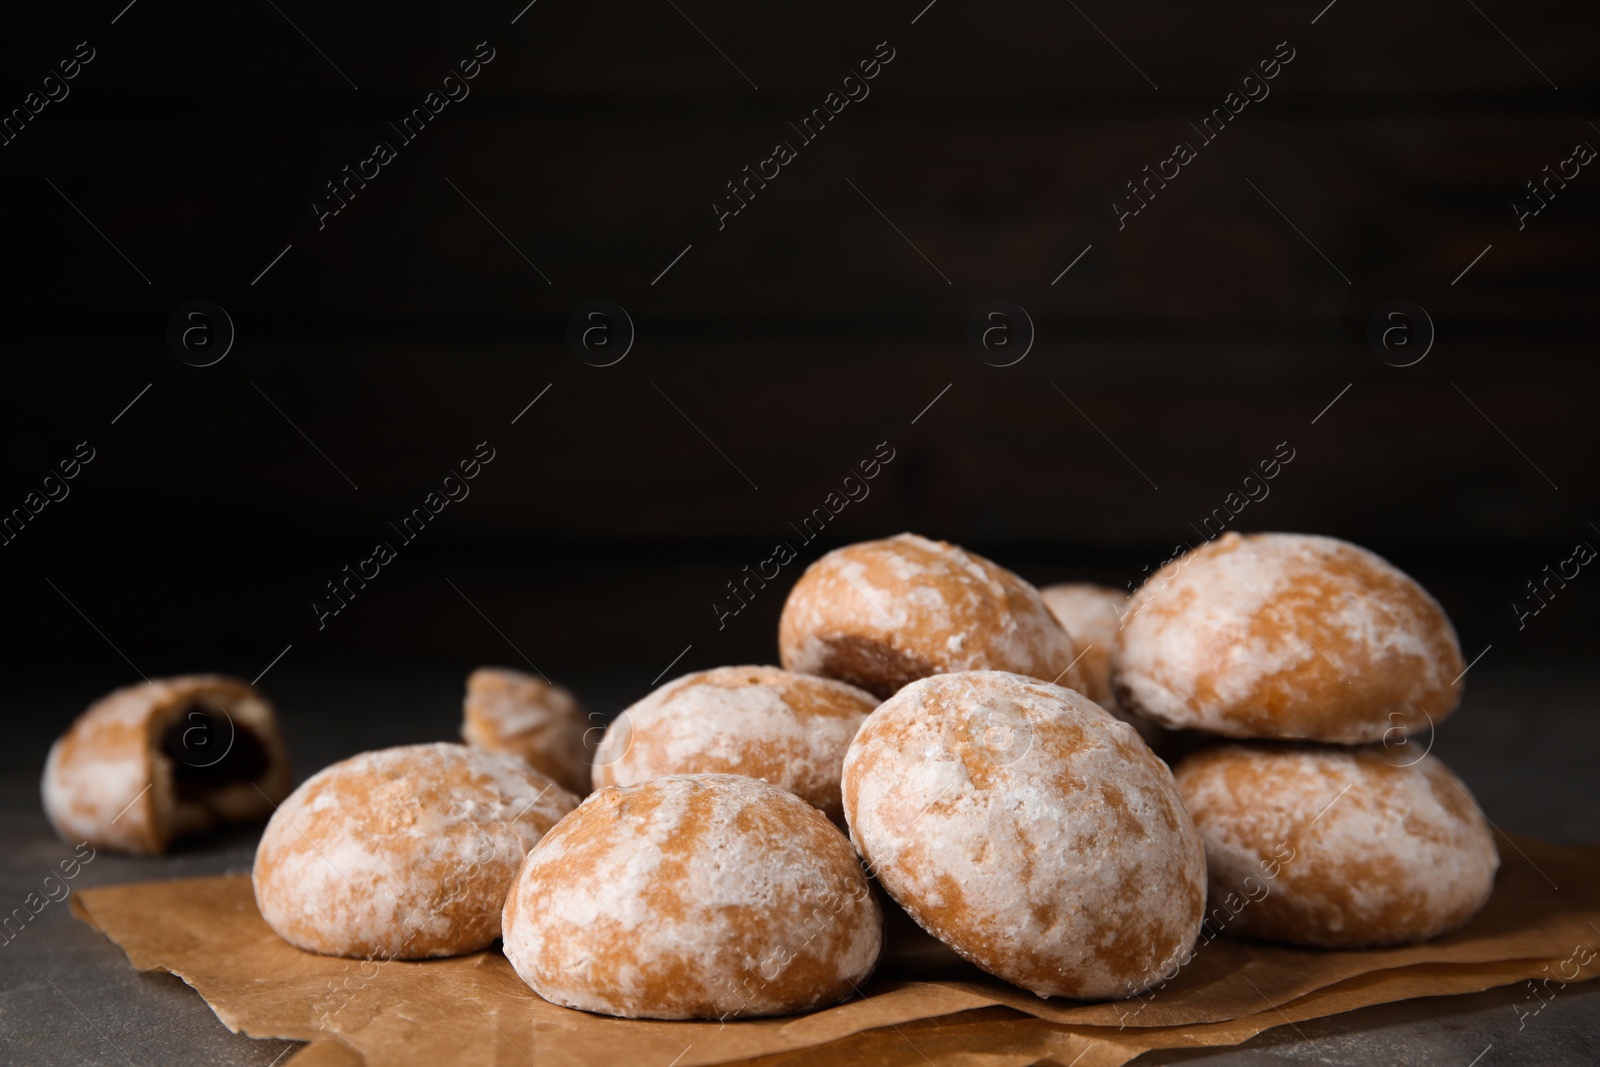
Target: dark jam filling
208,751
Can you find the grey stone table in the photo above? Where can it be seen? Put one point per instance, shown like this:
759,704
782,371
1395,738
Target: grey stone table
1526,740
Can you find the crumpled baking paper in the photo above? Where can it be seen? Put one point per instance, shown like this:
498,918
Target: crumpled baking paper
1542,926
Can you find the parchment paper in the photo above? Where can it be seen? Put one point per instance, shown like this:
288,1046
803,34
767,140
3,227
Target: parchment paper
1543,923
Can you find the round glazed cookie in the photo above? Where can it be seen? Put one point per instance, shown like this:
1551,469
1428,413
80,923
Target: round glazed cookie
1092,614
402,853
700,896
788,729
1336,848
1287,636
1029,830
154,762
543,724
880,614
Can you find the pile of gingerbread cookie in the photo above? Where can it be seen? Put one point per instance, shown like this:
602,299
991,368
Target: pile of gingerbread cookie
1071,789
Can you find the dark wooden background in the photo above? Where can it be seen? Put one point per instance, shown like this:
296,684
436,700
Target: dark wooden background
795,339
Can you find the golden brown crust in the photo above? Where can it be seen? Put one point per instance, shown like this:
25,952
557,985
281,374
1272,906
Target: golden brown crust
881,614
693,896
909,951
1288,636
151,763
1337,848
402,853
1029,830
787,729
541,723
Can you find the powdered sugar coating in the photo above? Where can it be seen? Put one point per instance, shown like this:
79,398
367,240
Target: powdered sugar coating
402,853
693,896
543,724
107,781
1288,636
879,614
1029,830
1337,848
787,729
1092,614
